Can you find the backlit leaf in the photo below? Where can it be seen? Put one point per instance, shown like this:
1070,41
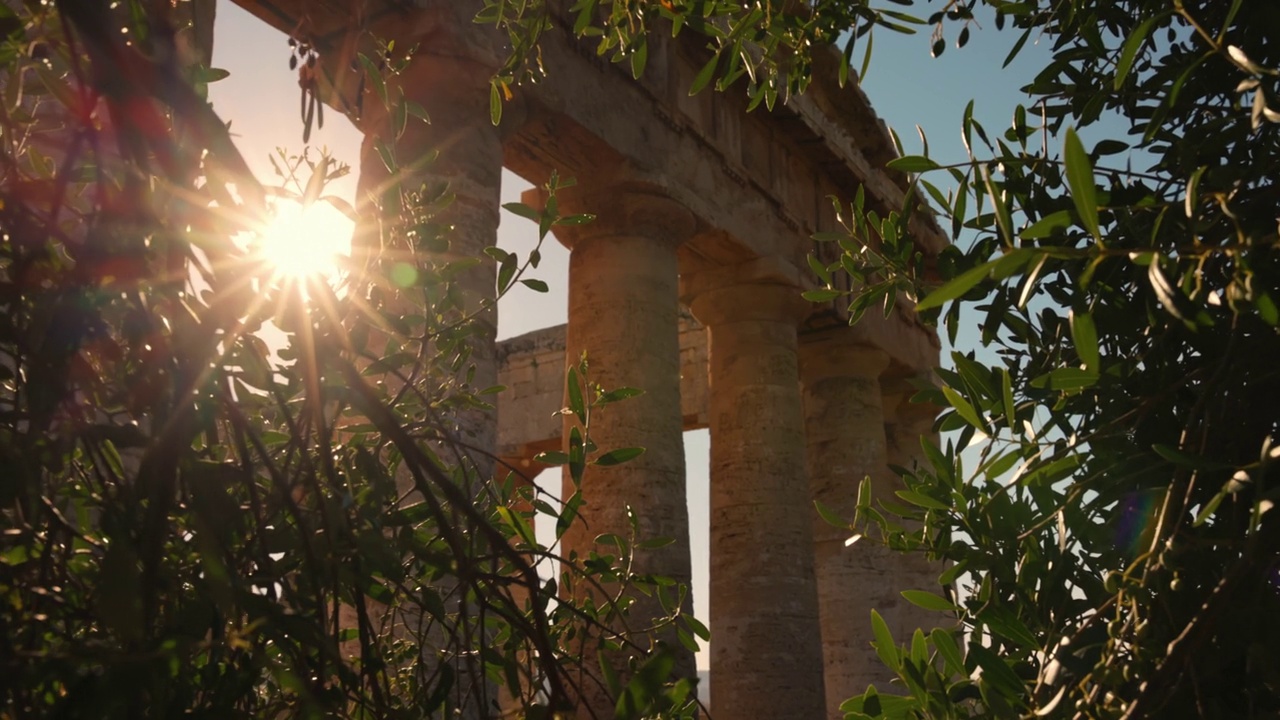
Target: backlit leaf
1084,194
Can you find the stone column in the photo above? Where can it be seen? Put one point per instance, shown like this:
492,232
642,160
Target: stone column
463,150
624,314
844,421
766,658
906,424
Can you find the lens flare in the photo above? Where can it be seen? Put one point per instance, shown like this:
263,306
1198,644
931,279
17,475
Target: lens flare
1135,521
306,243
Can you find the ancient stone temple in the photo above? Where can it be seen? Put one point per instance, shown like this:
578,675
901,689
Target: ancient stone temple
688,285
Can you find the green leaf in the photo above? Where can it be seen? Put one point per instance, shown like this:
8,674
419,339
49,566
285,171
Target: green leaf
949,575
579,219
819,269
1009,626
416,110
611,680
576,405
996,673
506,272
1131,47
1267,309
920,500
202,74
1085,336
639,58
619,456
618,394
1052,472
929,601
1003,220
864,493
830,516
1210,508
1080,179
1008,263
966,133
885,647
385,153
568,514
497,253
1047,226
1017,47
704,75
1001,464
535,285
585,12
645,688
964,409
1065,379
374,77
1193,185
517,522
495,103
399,117
919,650
821,295
523,210
912,163
697,627
865,67
551,458
937,195
1006,392
949,651
846,59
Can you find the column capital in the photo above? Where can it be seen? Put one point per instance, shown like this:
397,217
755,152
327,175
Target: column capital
620,207
435,31
762,289
838,353
454,91
459,146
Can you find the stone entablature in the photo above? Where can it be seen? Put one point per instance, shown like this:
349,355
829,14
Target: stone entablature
589,117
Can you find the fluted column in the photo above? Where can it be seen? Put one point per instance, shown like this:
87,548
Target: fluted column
765,649
906,424
460,149
624,314
844,421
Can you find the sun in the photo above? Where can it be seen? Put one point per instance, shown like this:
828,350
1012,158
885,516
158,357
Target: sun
305,242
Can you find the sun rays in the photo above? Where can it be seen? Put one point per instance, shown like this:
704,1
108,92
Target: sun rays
305,243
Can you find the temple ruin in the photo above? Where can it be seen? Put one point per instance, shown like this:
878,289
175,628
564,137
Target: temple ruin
688,285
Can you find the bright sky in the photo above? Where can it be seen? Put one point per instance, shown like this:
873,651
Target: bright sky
905,85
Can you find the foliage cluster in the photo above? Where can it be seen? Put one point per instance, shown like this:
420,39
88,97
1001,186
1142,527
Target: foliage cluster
192,522
1103,500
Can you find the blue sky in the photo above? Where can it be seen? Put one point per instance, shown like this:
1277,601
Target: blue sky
906,86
